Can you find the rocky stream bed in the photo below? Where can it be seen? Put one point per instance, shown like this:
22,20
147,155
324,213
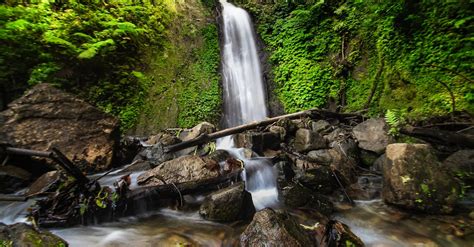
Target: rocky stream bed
341,181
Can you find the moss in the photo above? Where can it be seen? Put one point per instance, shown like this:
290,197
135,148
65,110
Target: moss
185,80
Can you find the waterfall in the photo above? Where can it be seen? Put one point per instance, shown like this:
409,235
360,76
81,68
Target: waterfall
244,99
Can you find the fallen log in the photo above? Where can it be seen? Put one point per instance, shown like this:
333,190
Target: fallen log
313,113
13,198
447,138
56,156
172,190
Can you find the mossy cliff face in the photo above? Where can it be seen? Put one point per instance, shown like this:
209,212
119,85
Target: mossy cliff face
185,76
398,55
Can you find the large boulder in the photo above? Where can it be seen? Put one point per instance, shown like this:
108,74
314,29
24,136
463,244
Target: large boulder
372,135
415,179
45,117
13,178
275,228
228,204
21,234
306,140
183,169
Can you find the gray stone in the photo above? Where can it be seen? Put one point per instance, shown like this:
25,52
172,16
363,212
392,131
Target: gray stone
296,196
155,154
275,228
228,204
321,156
280,131
202,128
415,179
372,135
337,135
183,169
320,126
164,138
461,163
317,178
45,117
306,140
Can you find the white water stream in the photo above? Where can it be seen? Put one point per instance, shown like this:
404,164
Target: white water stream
244,99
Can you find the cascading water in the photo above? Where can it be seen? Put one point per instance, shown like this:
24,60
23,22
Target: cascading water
244,99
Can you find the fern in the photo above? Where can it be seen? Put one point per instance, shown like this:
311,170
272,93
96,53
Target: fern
395,120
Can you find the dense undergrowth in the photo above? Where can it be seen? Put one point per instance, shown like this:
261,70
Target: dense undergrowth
410,56
185,89
104,52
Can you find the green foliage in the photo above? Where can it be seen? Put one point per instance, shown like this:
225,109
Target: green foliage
395,119
6,243
93,49
344,50
200,99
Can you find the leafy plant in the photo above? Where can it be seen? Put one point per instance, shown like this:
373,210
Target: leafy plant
395,119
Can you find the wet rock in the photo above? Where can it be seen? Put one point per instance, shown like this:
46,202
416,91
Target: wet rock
163,138
378,164
202,128
368,158
183,169
275,228
44,183
257,141
462,164
232,165
320,126
337,135
280,131
45,117
13,178
219,155
229,204
155,154
295,196
339,234
129,148
335,158
366,188
21,234
306,140
372,135
415,179
321,156
287,124
317,178
285,172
